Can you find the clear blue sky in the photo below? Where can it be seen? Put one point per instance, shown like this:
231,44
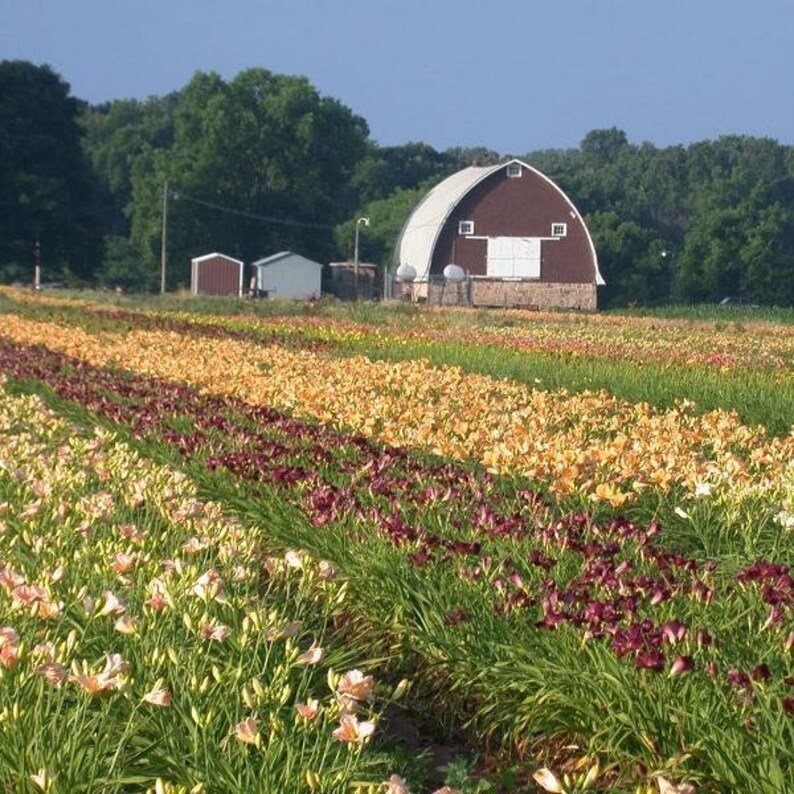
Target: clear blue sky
511,75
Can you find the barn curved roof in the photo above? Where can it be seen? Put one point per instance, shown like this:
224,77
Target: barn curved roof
420,233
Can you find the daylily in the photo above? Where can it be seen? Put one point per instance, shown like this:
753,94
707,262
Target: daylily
547,780
42,779
308,710
351,730
356,684
681,665
158,696
126,624
53,673
247,731
396,785
216,632
666,787
111,605
123,562
311,656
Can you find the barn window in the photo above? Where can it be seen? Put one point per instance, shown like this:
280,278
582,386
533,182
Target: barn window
559,229
514,170
466,227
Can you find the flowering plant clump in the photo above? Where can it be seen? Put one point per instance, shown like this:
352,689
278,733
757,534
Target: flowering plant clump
589,443
573,575
133,620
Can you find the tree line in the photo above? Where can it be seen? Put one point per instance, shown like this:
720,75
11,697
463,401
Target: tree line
263,162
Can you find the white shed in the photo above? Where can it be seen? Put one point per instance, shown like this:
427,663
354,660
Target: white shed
287,276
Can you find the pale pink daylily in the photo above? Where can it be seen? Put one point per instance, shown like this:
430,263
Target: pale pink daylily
547,780
666,787
353,731
308,710
247,730
112,604
123,562
312,656
396,785
126,624
208,585
9,647
216,632
53,673
357,685
293,559
157,696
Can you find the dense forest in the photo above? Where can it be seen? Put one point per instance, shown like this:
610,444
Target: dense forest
263,162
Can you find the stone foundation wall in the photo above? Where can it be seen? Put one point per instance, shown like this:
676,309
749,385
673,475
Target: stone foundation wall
496,292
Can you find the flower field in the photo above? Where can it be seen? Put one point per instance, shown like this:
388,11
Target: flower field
588,592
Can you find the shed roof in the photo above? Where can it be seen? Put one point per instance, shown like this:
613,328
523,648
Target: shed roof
420,233
214,256
269,260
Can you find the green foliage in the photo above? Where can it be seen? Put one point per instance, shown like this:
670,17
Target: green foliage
47,189
123,267
258,164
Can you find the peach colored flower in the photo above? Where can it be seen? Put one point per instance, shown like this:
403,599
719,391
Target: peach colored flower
53,673
666,787
123,562
353,731
9,651
208,585
48,610
327,572
312,656
308,710
396,785
111,604
132,532
24,595
357,685
547,780
157,696
293,559
194,545
126,624
216,632
247,730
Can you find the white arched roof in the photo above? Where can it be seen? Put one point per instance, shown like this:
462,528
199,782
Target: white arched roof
419,235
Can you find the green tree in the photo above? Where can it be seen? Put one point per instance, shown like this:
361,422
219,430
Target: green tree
385,169
258,164
47,189
387,218
114,135
630,260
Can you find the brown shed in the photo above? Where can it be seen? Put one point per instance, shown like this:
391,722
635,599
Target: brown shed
216,274
513,231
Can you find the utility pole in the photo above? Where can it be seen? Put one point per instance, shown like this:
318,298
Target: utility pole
163,238
365,221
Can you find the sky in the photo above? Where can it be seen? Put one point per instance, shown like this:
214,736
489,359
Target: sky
514,76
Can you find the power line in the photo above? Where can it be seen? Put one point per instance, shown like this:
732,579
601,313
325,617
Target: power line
283,221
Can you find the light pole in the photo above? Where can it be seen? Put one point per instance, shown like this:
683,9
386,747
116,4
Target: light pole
667,255
37,266
365,221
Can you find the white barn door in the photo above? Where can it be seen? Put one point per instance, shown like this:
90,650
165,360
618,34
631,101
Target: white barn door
514,257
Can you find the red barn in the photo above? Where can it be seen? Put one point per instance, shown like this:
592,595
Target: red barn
216,274
513,231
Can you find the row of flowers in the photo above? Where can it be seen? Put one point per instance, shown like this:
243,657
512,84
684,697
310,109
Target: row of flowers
653,605
117,582
589,443
757,346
